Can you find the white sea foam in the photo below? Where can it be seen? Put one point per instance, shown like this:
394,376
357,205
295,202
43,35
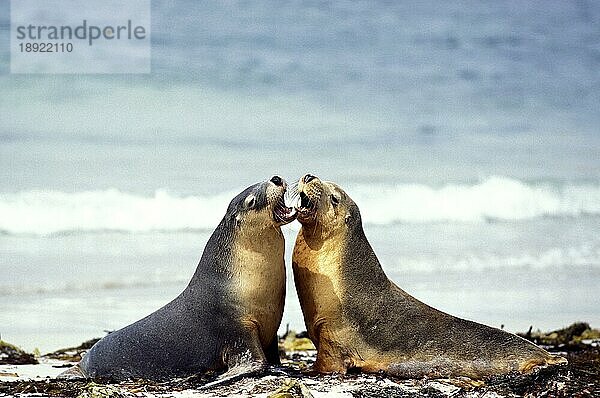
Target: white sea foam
496,198
47,212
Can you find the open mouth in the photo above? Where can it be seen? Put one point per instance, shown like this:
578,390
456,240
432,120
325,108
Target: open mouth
306,207
282,213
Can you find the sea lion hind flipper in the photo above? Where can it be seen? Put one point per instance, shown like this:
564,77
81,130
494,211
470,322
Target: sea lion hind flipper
236,373
557,360
73,373
549,360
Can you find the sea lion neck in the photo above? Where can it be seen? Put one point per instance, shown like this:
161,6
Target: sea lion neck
314,247
265,241
345,257
359,261
316,234
217,258
215,261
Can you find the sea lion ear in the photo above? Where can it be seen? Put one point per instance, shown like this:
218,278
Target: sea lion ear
347,218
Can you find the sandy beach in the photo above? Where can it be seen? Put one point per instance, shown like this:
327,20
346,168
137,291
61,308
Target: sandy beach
579,343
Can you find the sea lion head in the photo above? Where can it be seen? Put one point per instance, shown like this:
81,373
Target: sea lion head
324,207
261,206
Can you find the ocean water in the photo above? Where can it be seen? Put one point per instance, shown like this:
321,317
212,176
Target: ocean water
467,132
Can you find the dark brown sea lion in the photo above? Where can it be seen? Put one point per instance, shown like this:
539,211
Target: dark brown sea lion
358,318
227,317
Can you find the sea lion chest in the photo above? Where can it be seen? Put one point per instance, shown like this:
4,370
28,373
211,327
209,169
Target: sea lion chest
259,283
317,278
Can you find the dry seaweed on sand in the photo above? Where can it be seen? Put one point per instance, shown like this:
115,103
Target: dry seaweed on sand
573,337
579,378
49,387
292,388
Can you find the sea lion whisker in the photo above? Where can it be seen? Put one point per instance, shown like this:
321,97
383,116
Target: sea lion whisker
277,217
291,195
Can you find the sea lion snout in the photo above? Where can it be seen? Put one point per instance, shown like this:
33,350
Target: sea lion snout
280,182
309,190
282,214
308,178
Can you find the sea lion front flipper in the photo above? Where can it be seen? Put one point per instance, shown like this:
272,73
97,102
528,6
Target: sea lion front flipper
331,356
549,360
244,357
236,373
272,352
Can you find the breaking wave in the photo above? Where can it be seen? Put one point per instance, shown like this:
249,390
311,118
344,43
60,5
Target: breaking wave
495,198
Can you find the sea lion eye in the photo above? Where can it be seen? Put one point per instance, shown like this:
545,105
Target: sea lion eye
334,200
250,201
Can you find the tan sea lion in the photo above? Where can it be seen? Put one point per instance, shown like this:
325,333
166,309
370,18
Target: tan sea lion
227,317
359,319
